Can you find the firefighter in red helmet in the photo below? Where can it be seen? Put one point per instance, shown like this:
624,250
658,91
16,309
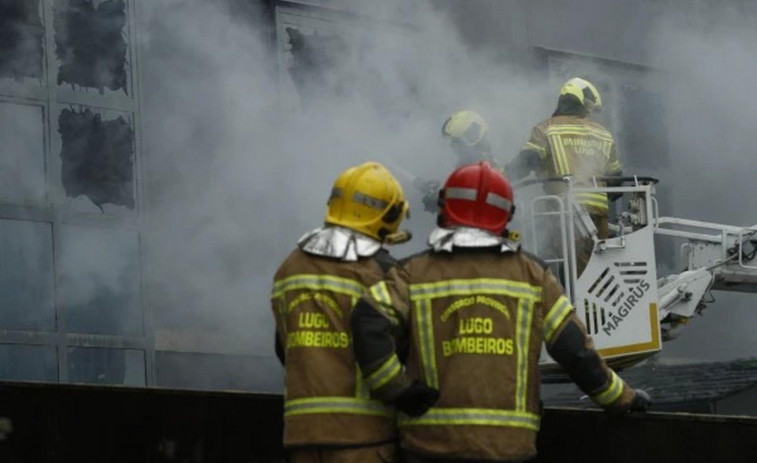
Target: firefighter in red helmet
476,310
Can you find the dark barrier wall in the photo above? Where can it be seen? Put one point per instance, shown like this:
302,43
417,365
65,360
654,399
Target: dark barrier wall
56,423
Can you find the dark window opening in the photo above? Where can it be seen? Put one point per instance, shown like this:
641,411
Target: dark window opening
97,158
645,131
315,64
21,33
90,44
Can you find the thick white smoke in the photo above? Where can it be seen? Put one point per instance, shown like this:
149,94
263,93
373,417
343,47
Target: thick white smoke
234,175
706,54
237,167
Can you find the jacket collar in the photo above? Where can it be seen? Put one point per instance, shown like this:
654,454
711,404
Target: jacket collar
339,243
445,239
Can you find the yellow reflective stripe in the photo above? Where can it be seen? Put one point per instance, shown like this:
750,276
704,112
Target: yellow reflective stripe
604,207
598,200
426,341
564,157
559,311
580,130
534,146
380,293
598,196
611,393
319,282
522,336
447,288
362,389
348,405
558,153
595,204
385,372
614,166
473,417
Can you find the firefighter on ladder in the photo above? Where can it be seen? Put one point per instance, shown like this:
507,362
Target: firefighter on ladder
570,143
467,132
328,413
476,310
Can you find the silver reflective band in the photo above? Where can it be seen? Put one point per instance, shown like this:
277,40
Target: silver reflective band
369,201
498,201
461,193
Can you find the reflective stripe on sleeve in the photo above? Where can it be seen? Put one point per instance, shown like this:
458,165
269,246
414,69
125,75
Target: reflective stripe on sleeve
447,288
533,146
611,393
380,294
347,405
388,370
473,417
559,311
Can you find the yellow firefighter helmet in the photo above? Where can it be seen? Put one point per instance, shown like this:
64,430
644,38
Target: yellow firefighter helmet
585,91
367,199
467,126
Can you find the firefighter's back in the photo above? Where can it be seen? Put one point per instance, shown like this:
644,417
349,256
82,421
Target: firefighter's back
477,340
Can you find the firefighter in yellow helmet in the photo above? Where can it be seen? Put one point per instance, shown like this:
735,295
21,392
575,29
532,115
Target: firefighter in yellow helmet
467,132
570,143
474,311
328,413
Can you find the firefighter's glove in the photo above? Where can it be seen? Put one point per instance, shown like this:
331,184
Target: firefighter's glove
416,399
641,401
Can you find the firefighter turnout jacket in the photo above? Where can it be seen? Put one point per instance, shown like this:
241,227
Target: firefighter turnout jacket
571,145
476,319
326,400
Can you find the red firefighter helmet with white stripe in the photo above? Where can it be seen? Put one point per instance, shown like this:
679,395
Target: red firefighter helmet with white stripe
479,196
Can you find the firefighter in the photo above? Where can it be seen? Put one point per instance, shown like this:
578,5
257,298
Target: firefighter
570,143
467,133
328,413
477,310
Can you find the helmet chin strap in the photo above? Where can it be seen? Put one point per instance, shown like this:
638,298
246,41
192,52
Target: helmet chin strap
398,237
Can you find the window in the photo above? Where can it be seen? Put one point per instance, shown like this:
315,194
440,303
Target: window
22,157
26,276
106,366
90,44
100,289
28,363
21,34
97,157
